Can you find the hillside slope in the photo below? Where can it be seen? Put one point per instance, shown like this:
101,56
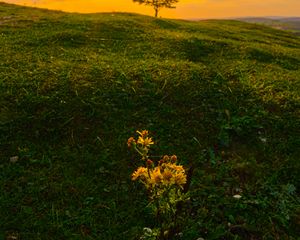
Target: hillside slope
222,95
291,24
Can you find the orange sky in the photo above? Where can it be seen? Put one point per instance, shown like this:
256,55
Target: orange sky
185,8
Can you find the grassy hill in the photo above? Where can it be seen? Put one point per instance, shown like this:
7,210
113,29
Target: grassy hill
221,95
284,23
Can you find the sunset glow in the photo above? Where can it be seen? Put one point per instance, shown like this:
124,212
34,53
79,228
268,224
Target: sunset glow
184,9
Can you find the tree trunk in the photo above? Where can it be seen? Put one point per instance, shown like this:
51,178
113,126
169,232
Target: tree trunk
156,12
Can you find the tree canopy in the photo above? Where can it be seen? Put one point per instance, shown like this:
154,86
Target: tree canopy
158,4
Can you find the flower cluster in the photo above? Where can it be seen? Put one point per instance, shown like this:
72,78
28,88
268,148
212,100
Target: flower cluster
142,144
164,181
166,173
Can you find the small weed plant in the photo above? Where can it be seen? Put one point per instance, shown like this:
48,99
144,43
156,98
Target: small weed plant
164,181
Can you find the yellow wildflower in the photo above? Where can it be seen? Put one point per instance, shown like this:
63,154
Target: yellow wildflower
176,168
173,167
180,179
156,176
130,141
146,142
168,176
140,172
143,133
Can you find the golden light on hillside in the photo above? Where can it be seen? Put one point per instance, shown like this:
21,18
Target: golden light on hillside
185,8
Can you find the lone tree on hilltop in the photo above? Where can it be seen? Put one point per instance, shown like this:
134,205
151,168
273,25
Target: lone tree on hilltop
157,4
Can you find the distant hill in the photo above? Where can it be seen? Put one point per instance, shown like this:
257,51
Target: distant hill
284,23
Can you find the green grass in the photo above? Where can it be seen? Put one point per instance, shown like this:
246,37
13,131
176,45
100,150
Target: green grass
221,95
